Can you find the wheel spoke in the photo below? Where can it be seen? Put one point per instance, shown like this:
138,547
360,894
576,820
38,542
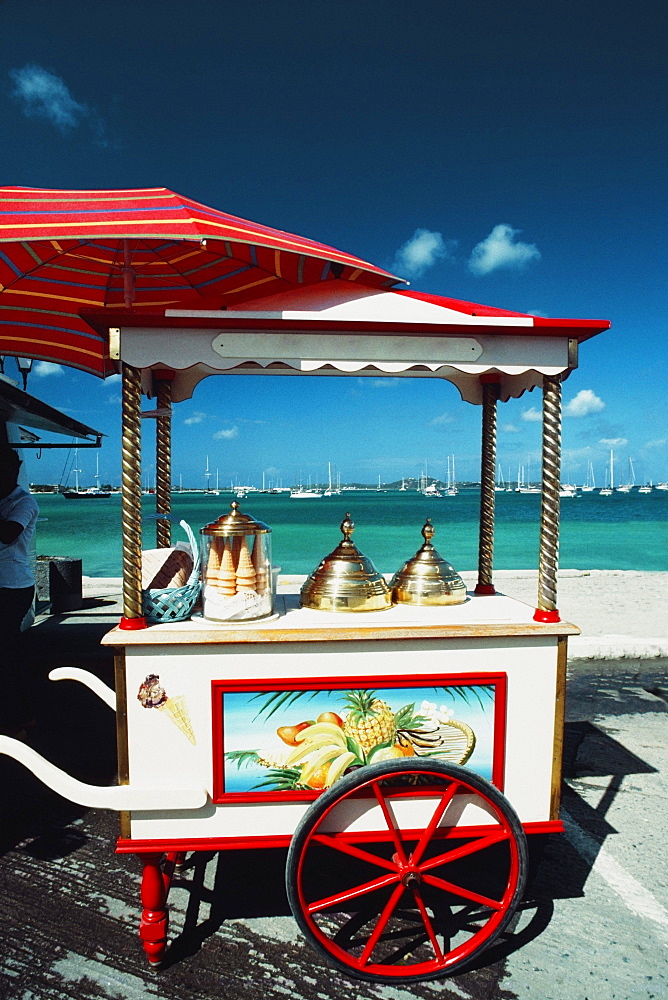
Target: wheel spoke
381,924
428,925
348,894
356,852
390,821
446,799
480,844
458,890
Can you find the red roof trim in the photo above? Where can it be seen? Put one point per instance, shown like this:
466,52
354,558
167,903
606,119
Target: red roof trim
576,329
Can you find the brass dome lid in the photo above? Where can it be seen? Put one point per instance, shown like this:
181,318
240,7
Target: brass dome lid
346,580
427,579
235,523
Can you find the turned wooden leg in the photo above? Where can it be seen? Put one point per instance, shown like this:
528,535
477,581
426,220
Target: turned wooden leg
153,924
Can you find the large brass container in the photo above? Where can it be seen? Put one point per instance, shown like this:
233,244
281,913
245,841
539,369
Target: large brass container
346,580
427,579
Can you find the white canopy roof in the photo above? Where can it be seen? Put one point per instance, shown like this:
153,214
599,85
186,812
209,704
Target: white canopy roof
338,329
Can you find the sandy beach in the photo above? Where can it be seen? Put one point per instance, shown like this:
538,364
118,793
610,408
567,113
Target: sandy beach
621,613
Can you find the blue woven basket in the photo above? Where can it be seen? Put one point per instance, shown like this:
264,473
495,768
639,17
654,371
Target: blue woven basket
173,604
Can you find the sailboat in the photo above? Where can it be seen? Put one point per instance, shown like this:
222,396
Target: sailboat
631,481
207,476
93,492
451,487
607,490
590,485
525,487
331,490
305,494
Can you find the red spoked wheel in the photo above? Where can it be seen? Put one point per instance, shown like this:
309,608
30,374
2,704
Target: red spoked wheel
406,870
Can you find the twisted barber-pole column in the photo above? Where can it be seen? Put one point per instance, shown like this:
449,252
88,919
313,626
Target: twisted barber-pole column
490,392
131,500
163,456
548,563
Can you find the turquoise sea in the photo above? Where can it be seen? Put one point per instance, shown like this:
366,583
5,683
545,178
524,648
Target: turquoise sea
623,531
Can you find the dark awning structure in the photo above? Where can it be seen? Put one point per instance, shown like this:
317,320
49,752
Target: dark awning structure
18,407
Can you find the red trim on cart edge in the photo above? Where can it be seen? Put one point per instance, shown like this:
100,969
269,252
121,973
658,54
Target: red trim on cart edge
547,617
219,687
132,624
130,846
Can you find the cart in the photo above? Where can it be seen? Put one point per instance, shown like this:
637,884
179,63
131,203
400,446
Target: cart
414,859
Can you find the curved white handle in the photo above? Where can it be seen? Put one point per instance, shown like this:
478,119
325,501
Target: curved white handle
97,686
116,797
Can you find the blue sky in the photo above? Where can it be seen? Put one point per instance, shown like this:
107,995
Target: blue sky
506,153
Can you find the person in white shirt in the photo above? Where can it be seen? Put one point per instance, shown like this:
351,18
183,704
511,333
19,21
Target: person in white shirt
18,515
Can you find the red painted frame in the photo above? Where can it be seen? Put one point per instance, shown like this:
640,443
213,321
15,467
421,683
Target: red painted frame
130,846
498,680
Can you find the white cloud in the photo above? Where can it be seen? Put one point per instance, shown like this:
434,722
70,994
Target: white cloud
614,442
45,95
226,434
584,403
195,418
111,379
510,429
42,368
444,418
657,443
421,252
384,383
498,250
532,415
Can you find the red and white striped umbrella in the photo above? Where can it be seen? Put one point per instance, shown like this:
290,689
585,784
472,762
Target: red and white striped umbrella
65,252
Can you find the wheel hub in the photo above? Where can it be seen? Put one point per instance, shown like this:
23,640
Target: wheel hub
409,875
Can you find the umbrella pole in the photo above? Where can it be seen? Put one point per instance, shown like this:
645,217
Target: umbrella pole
490,393
548,562
131,499
163,456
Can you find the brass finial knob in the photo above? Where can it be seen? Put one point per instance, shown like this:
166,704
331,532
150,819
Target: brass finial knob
347,527
428,531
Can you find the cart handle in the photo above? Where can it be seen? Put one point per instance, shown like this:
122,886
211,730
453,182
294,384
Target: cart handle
117,797
97,686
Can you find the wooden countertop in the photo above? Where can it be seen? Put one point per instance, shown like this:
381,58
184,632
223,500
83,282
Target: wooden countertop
496,615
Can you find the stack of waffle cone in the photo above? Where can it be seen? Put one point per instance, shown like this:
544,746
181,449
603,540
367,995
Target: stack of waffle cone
213,562
175,709
227,578
245,569
260,565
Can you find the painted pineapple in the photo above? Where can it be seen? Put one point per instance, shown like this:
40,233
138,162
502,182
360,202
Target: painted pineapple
369,721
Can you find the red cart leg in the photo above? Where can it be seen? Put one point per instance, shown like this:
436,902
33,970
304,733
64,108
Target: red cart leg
153,924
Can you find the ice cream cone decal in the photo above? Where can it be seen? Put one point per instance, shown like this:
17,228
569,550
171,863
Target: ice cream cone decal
177,711
151,694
